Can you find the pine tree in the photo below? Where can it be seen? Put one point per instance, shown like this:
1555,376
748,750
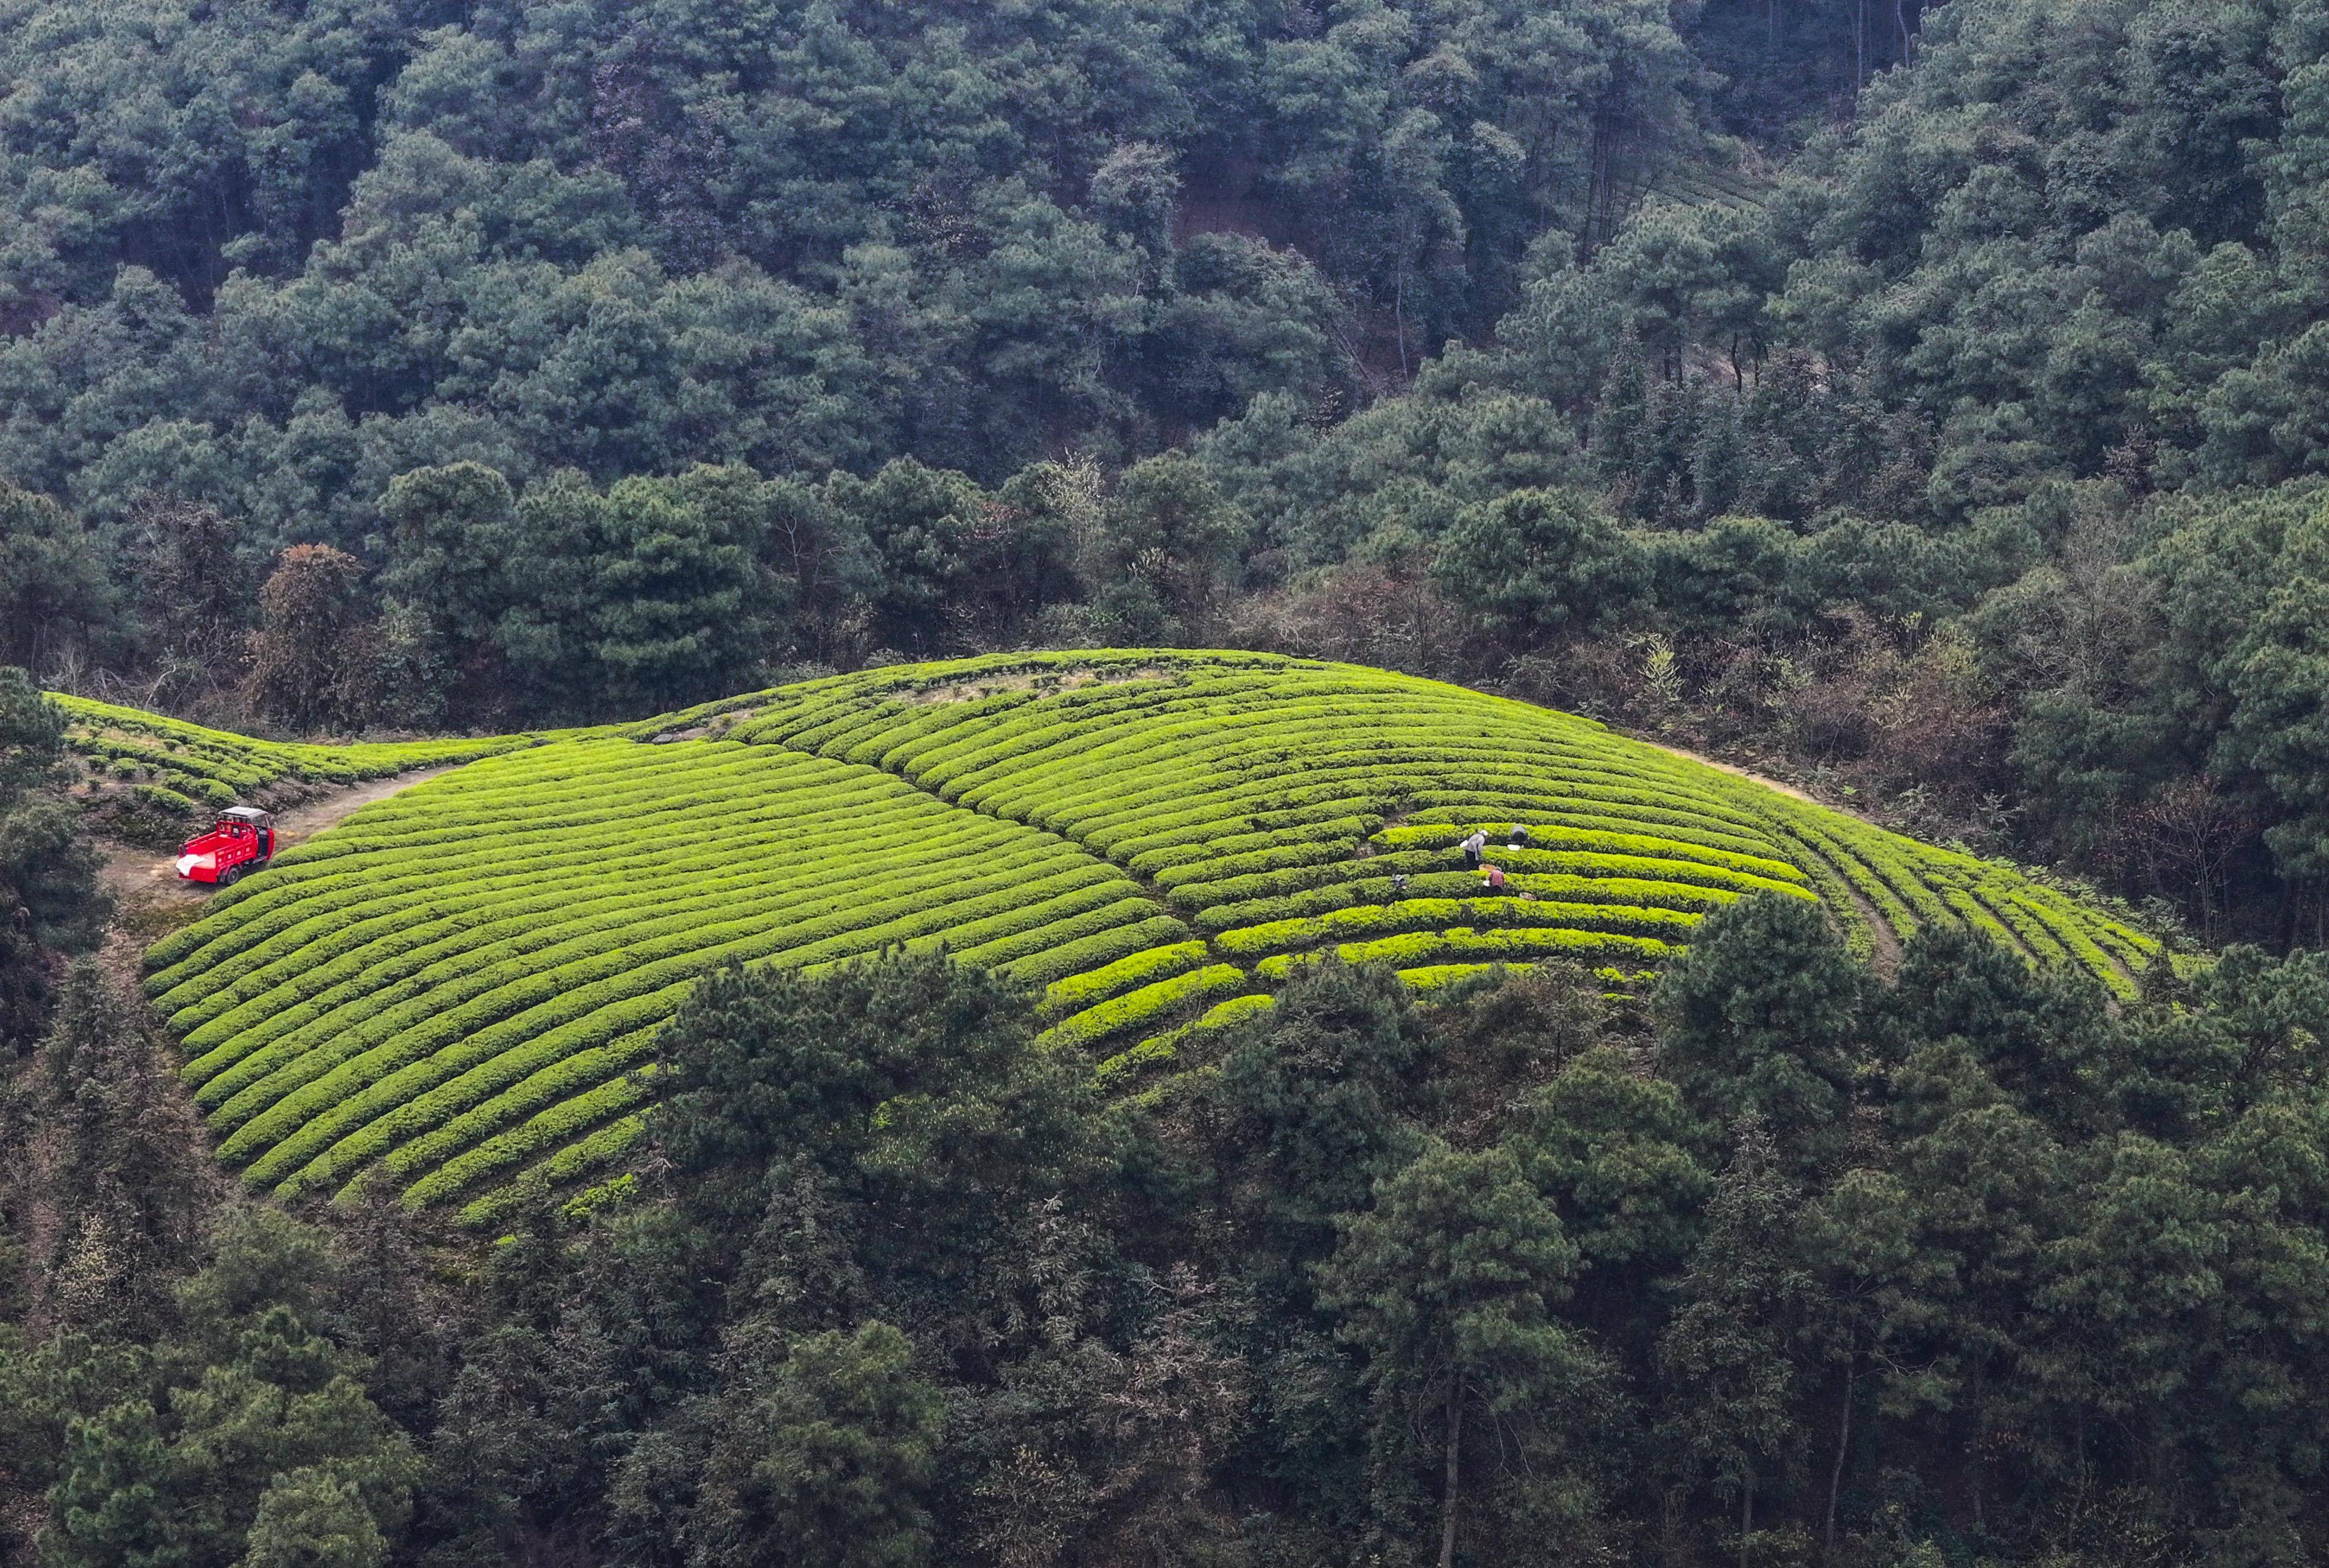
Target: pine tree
313,1518
832,1461
49,895
1622,438
1759,1017
1729,1356
1447,1285
123,1165
1314,1098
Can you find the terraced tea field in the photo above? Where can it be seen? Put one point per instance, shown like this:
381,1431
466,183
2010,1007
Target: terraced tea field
461,983
187,769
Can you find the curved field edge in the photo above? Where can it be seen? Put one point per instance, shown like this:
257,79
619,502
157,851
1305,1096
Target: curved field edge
461,985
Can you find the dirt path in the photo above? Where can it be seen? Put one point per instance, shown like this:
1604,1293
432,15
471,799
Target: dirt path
1736,772
143,878
304,822
1886,942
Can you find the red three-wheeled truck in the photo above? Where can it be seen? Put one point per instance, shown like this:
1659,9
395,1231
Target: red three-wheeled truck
242,839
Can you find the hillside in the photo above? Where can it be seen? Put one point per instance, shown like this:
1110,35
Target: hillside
464,982
746,1066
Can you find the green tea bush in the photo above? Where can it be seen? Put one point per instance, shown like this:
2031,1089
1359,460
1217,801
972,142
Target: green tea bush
1142,1008
162,799
536,1135
1161,1050
581,1158
1094,985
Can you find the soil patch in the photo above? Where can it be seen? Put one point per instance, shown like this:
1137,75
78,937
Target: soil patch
1052,677
138,878
304,822
1886,957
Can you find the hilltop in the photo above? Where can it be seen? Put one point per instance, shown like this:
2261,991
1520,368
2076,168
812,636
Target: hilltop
463,982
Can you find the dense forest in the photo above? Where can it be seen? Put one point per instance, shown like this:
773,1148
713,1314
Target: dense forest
1925,405
1953,1266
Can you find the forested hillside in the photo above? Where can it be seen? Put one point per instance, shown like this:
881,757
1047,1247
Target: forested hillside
1922,406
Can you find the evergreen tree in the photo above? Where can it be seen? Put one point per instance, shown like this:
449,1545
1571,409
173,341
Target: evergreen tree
1727,1356
313,1519
1613,1150
1170,544
120,1163
1446,1285
50,898
1759,1018
1621,423
55,594
831,1460
1537,564
1315,1100
252,1431
453,546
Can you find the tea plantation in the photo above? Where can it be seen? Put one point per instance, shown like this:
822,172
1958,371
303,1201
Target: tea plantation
461,983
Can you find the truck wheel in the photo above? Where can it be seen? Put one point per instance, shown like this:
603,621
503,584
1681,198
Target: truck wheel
226,877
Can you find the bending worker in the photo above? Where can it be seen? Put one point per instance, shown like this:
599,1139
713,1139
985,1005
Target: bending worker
1472,848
